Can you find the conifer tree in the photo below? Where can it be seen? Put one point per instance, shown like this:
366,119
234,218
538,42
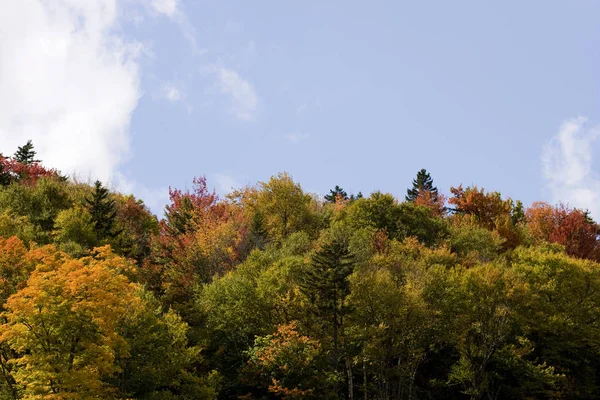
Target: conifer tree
335,193
422,183
356,197
26,154
326,284
102,210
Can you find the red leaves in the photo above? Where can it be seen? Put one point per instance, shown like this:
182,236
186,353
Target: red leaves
13,170
571,228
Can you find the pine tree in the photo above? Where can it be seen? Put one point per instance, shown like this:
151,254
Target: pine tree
25,154
422,183
335,193
357,197
326,284
258,234
102,210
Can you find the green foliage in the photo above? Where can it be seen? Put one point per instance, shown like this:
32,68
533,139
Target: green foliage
74,229
420,222
379,211
273,293
102,210
284,207
26,154
336,194
422,183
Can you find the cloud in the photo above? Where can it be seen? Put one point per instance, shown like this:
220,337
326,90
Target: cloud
170,8
567,165
244,101
173,94
296,137
173,9
69,83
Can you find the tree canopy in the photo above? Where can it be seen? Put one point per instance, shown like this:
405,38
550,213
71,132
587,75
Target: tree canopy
275,293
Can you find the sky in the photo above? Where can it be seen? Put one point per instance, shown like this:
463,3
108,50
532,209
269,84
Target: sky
147,94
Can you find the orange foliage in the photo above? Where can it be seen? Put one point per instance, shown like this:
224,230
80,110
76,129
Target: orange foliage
571,228
486,207
435,202
201,236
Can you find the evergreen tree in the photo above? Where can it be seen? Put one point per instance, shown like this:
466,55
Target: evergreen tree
335,193
422,183
258,234
25,154
326,284
102,210
357,197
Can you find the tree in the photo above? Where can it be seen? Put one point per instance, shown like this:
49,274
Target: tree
568,227
422,183
287,363
25,154
380,211
326,284
336,194
103,212
284,206
63,326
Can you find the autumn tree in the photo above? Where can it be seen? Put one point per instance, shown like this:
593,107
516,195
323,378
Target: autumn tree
284,206
571,228
289,364
63,325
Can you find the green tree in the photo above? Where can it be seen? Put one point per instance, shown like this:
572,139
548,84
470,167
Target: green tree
325,282
422,183
284,206
26,154
335,194
102,209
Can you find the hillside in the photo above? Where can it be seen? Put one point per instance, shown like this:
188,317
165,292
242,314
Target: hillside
276,293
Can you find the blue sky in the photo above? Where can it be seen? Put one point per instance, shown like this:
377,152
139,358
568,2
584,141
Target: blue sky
359,94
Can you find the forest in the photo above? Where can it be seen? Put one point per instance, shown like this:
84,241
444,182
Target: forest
271,292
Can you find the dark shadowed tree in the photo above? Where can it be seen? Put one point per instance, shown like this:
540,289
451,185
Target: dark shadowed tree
26,154
103,211
336,193
422,183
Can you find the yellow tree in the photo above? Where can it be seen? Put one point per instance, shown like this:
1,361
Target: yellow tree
63,325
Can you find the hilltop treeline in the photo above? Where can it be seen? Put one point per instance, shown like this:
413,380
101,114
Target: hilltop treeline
275,293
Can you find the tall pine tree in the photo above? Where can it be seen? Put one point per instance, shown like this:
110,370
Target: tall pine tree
26,154
326,284
335,193
422,183
103,212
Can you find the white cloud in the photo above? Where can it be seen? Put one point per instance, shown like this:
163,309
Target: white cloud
567,166
296,137
173,9
68,83
172,93
244,101
170,8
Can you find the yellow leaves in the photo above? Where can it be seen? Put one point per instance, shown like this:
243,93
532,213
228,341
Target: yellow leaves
63,323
